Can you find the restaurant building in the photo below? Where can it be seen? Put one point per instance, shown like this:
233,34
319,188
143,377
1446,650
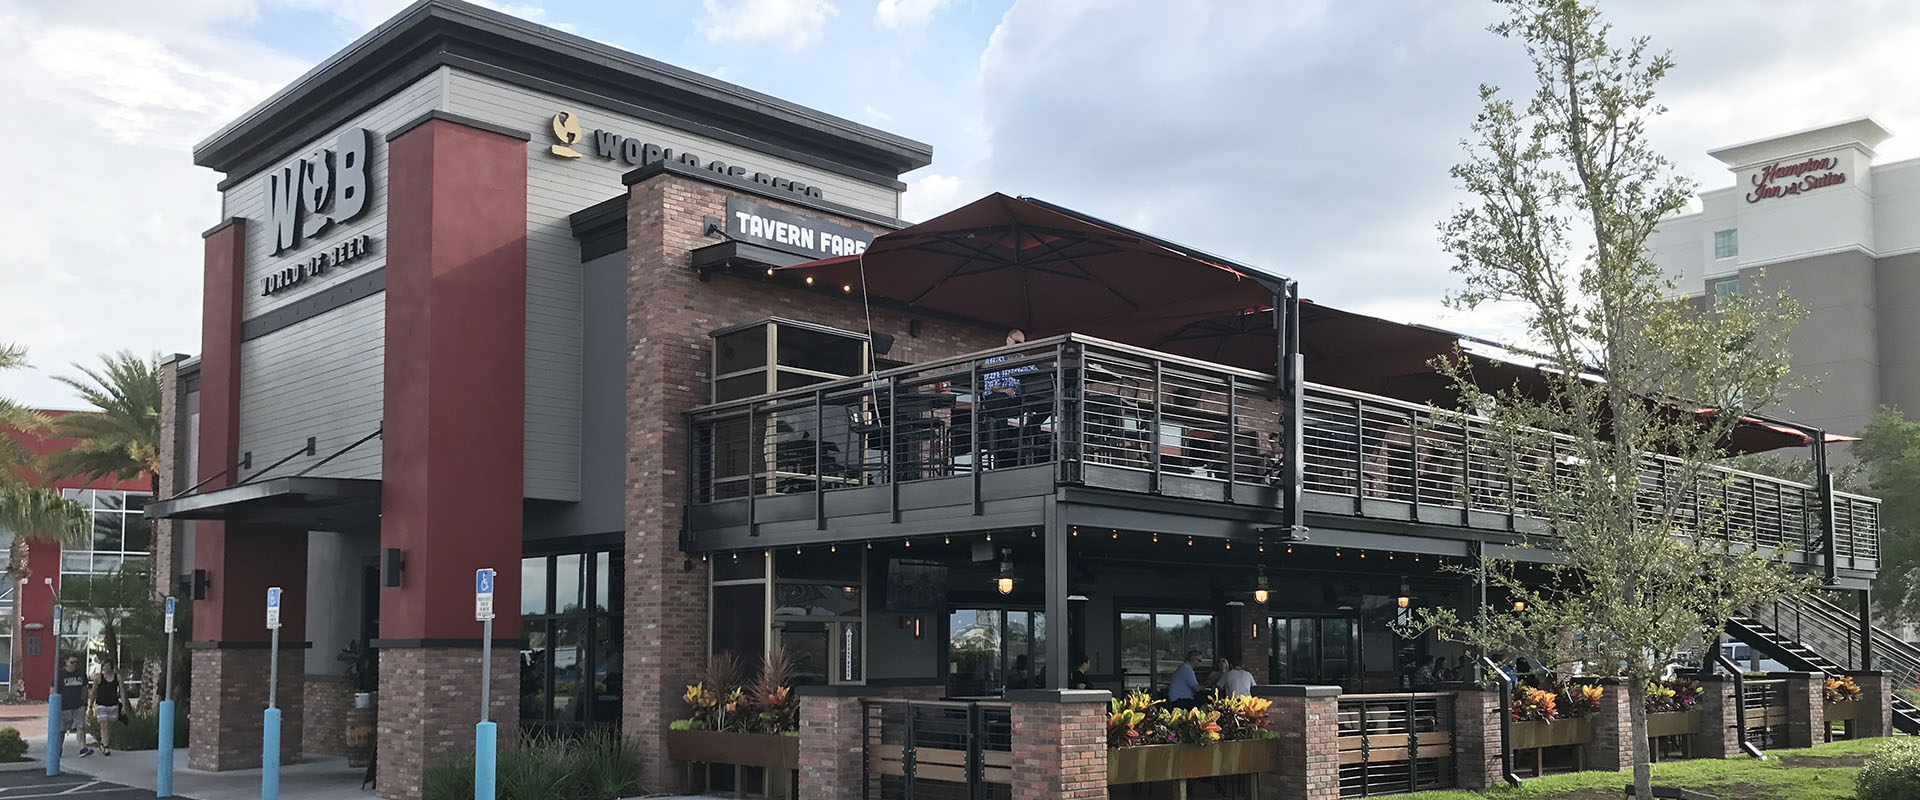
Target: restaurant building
487,293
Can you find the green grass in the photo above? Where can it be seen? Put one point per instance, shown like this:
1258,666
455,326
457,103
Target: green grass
1800,783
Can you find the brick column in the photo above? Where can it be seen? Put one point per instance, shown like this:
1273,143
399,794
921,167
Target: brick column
1307,718
1476,738
329,699
230,700
1806,707
1254,635
1059,744
1612,745
830,746
1719,735
429,702
1876,698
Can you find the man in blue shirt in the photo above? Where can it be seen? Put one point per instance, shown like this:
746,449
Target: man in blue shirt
1185,689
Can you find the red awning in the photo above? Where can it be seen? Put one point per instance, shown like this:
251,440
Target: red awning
1016,263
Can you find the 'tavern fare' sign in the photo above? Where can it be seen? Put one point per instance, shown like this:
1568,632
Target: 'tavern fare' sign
782,230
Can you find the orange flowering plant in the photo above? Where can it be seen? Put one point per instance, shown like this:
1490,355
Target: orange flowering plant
1842,689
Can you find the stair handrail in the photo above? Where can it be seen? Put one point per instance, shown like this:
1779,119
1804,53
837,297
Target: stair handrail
1506,721
1906,655
1740,701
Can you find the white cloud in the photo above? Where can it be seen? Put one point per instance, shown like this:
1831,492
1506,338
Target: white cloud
104,202
895,15
933,194
791,24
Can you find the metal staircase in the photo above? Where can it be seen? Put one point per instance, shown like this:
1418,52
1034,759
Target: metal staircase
1817,635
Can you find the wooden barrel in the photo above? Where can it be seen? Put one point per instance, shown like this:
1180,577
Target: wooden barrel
360,734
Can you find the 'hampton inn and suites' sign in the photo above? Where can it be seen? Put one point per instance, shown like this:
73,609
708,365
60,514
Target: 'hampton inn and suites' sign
635,153
1787,179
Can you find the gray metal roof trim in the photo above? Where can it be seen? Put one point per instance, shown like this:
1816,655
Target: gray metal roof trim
420,25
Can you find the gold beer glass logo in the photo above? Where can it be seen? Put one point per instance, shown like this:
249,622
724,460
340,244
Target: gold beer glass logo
566,130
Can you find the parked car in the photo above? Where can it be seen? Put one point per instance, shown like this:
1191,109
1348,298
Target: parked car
1741,654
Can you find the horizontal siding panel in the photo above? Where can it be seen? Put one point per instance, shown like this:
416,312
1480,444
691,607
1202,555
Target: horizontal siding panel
321,377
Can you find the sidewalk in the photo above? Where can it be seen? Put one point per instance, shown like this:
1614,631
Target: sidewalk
315,778
30,719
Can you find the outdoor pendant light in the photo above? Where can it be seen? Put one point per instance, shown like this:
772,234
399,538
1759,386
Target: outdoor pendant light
1519,605
1260,589
1403,601
1005,582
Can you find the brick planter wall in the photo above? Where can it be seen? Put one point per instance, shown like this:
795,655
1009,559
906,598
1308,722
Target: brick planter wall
830,745
1806,707
1719,735
1876,697
1476,738
1307,718
1612,745
230,700
328,698
1059,744
429,703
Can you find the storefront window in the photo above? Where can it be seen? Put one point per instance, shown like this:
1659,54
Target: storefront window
570,667
991,650
1154,644
121,536
1317,650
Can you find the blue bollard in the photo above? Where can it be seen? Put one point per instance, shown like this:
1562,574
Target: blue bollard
54,732
270,756
163,779
485,735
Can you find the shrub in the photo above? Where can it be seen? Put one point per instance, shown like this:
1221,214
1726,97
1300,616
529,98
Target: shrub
1130,720
139,728
1533,704
1892,773
1841,690
533,769
1672,694
450,779
602,765
12,747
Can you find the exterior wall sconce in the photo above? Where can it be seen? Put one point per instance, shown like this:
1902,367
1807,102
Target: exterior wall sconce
911,623
1254,628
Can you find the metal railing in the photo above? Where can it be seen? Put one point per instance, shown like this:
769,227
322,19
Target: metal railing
936,749
1395,743
1081,406
1763,712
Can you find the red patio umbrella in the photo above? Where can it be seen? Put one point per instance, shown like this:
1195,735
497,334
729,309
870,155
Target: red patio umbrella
1019,263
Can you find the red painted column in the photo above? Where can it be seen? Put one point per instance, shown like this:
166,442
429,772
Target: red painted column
230,661
452,441
35,600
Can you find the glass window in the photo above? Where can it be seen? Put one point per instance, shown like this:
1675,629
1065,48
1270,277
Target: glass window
106,531
533,586
1152,646
1726,244
1724,290
139,534
602,579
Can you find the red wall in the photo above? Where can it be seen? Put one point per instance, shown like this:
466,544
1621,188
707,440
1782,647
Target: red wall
454,416
34,598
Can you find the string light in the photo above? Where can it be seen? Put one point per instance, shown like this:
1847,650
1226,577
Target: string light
1116,535
736,556
1189,541
1289,549
989,537
909,542
796,551
846,288
947,540
809,280
833,548
1229,545
769,272
1156,538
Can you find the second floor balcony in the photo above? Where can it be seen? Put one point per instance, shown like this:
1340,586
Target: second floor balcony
979,442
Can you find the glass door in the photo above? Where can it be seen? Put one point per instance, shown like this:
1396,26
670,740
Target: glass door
1154,644
991,650
1314,650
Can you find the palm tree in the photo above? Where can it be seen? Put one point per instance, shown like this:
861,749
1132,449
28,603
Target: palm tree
36,515
15,458
122,438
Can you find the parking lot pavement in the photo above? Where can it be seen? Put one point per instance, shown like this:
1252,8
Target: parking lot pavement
25,784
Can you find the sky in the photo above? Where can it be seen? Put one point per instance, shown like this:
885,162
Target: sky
1310,139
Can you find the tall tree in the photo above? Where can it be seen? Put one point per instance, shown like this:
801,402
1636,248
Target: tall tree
1889,446
1611,452
29,515
15,419
121,438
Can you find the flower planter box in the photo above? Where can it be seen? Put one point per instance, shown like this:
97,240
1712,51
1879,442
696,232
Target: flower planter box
772,751
1673,723
1843,711
1541,733
1173,762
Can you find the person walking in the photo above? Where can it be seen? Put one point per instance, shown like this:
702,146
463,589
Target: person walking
71,682
106,704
